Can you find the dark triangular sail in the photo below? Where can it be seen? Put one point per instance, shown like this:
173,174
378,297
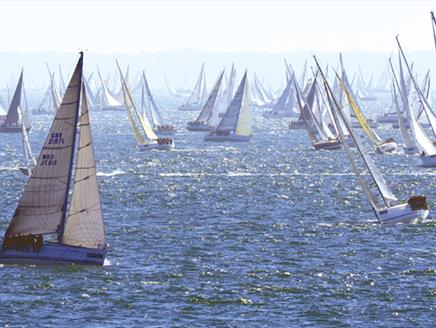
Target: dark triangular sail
12,116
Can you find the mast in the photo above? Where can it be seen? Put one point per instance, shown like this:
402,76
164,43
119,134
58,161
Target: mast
78,71
433,25
382,188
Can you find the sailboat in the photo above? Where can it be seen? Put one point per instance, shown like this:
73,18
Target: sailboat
27,150
403,121
108,101
284,106
235,124
426,146
145,137
196,98
202,122
224,98
160,127
317,129
388,208
12,123
383,146
51,99
47,226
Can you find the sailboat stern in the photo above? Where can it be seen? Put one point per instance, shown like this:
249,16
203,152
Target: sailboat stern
414,211
52,253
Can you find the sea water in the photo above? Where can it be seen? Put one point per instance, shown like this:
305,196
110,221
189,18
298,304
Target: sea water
266,233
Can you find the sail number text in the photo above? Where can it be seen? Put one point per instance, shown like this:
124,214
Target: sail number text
56,138
48,159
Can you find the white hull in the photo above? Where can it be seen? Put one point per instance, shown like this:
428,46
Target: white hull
387,147
155,146
402,213
428,161
55,253
224,138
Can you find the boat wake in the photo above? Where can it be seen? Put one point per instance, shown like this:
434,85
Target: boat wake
111,174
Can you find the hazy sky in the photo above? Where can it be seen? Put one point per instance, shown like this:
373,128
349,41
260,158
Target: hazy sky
262,26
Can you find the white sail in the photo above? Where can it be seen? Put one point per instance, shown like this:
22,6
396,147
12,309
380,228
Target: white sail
195,97
230,119
107,99
84,225
134,117
155,115
42,207
28,154
243,128
207,111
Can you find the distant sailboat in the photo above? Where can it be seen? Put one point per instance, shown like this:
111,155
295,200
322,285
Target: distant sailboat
426,146
284,107
383,146
160,127
43,230
317,129
235,124
12,122
403,121
194,101
27,150
108,101
51,99
203,120
387,207
145,137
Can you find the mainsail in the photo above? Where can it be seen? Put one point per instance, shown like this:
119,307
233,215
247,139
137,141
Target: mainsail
42,207
133,116
84,224
207,111
232,120
107,99
195,97
12,115
155,115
